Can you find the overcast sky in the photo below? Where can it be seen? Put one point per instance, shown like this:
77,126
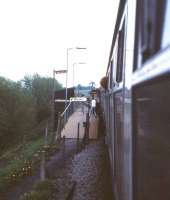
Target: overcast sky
35,34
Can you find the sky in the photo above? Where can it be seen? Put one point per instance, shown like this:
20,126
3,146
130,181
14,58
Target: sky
35,36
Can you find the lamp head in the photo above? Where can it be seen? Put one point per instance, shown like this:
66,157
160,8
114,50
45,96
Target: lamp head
81,48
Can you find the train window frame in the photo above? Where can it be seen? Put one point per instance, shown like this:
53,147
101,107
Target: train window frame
149,30
111,81
114,61
118,152
120,53
108,83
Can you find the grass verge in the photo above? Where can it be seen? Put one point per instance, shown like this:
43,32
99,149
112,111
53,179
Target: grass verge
15,165
42,190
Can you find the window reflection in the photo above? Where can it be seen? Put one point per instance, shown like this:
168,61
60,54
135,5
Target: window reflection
152,146
166,27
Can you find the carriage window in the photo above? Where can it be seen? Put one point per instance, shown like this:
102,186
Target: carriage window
118,144
166,27
109,78
111,75
119,72
151,141
151,22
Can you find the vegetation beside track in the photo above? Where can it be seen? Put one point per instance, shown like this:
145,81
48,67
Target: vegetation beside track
23,161
25,110
41,190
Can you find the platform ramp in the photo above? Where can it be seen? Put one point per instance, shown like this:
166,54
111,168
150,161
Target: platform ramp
76,122
71,128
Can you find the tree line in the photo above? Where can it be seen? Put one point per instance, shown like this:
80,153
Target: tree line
23,106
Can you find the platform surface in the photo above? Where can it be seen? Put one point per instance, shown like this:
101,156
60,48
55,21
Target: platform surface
79,116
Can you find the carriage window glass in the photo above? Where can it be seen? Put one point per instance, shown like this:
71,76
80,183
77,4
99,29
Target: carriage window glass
118,144
151,20
119,71
151,140
111,77
166,27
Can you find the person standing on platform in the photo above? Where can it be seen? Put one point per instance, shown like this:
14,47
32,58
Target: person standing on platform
93,107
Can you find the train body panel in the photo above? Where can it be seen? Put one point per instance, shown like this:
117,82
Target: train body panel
135,103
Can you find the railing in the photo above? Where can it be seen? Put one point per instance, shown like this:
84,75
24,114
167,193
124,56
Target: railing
63,117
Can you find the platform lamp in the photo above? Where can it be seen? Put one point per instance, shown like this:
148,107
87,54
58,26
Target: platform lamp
80,63
69,49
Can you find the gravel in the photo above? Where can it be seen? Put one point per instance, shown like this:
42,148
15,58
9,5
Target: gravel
89,169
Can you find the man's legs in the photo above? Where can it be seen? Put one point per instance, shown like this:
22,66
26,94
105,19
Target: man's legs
90,111
94,111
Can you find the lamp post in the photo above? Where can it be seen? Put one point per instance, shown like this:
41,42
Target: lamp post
80,63
68,49
53,96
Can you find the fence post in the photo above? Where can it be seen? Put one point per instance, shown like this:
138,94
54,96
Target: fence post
46,135
64,148
58,134
42,169
87,127
78,135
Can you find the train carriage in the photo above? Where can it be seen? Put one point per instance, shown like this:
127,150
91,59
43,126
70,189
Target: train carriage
136,101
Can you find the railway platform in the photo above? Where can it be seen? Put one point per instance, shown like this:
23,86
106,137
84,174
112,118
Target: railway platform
76,121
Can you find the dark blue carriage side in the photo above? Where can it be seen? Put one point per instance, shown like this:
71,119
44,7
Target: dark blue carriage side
136,101
151,111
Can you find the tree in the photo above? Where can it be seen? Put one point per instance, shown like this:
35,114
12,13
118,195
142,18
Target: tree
17,112
42,89
23,105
